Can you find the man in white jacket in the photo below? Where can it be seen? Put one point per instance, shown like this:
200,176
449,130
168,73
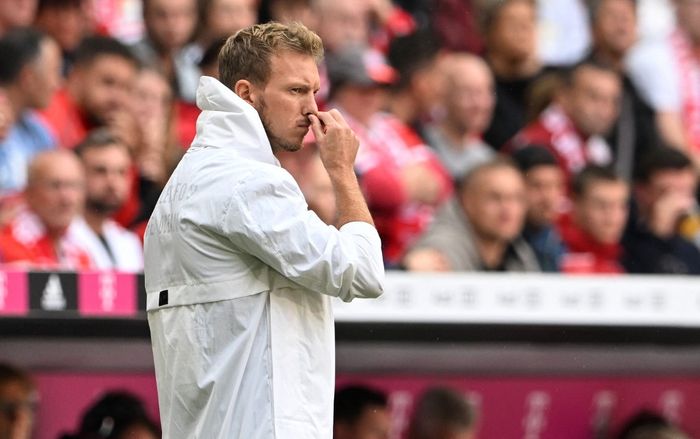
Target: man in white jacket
239,273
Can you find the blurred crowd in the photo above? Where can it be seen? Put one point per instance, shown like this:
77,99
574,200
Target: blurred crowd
360,412
496,135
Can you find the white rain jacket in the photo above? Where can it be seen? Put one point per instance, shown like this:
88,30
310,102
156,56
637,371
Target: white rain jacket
239,278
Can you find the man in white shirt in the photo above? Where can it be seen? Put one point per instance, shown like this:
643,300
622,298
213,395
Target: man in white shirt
239,273
107,163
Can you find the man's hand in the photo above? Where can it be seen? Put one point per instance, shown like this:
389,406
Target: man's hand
337,143
667,212
426,259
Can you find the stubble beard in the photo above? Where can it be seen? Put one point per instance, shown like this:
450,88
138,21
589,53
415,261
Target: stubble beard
277,143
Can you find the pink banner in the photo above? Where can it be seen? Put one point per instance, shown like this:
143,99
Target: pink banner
13,293
548,407
509,408
106,293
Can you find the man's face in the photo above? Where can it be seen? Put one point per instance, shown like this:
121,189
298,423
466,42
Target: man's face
688,16
66,24
544,191
106,178
513,32
602,211
679,183
45,76
361,101
615,28
16,411
170,23
374,423
104,87
342,23
494,202
593,101
16,13
287,99
227,17
57,193
469,97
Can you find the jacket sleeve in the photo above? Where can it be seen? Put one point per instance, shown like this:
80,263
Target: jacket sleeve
268,218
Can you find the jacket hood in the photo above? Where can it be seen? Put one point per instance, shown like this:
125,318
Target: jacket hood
227,121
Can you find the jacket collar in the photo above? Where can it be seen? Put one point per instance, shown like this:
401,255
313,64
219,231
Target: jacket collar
227,121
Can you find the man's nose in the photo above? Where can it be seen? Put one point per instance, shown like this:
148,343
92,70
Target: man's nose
310,105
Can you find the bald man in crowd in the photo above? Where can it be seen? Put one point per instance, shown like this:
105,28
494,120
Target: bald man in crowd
38,235
479,230
469,101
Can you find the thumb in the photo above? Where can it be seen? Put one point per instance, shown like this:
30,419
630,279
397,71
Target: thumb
316,127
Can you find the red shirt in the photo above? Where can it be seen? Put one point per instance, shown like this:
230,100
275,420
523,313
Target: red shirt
387,146
25,241
186,114
556,132
583,254
66,121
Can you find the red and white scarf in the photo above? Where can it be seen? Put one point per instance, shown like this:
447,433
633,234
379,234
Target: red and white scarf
689,75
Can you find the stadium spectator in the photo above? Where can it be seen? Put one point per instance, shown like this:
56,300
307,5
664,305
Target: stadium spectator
480,229
649,425
153,107
665,73
107,163
29,75
18,400
116,415
419,88
38,236
402,179
374,23
614,30
16,13
468,103
67,22
360,413
593,230
442,413
223,18
511,51
664,195
584,109
341,23
170,26
98,92
545,196
155,151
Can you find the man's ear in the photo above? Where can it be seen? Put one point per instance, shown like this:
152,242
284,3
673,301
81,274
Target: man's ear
245,90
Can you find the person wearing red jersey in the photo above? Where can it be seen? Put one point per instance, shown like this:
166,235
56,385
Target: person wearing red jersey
572,127
593,230
38,236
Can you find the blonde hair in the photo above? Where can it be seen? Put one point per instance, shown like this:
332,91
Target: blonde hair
247,54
